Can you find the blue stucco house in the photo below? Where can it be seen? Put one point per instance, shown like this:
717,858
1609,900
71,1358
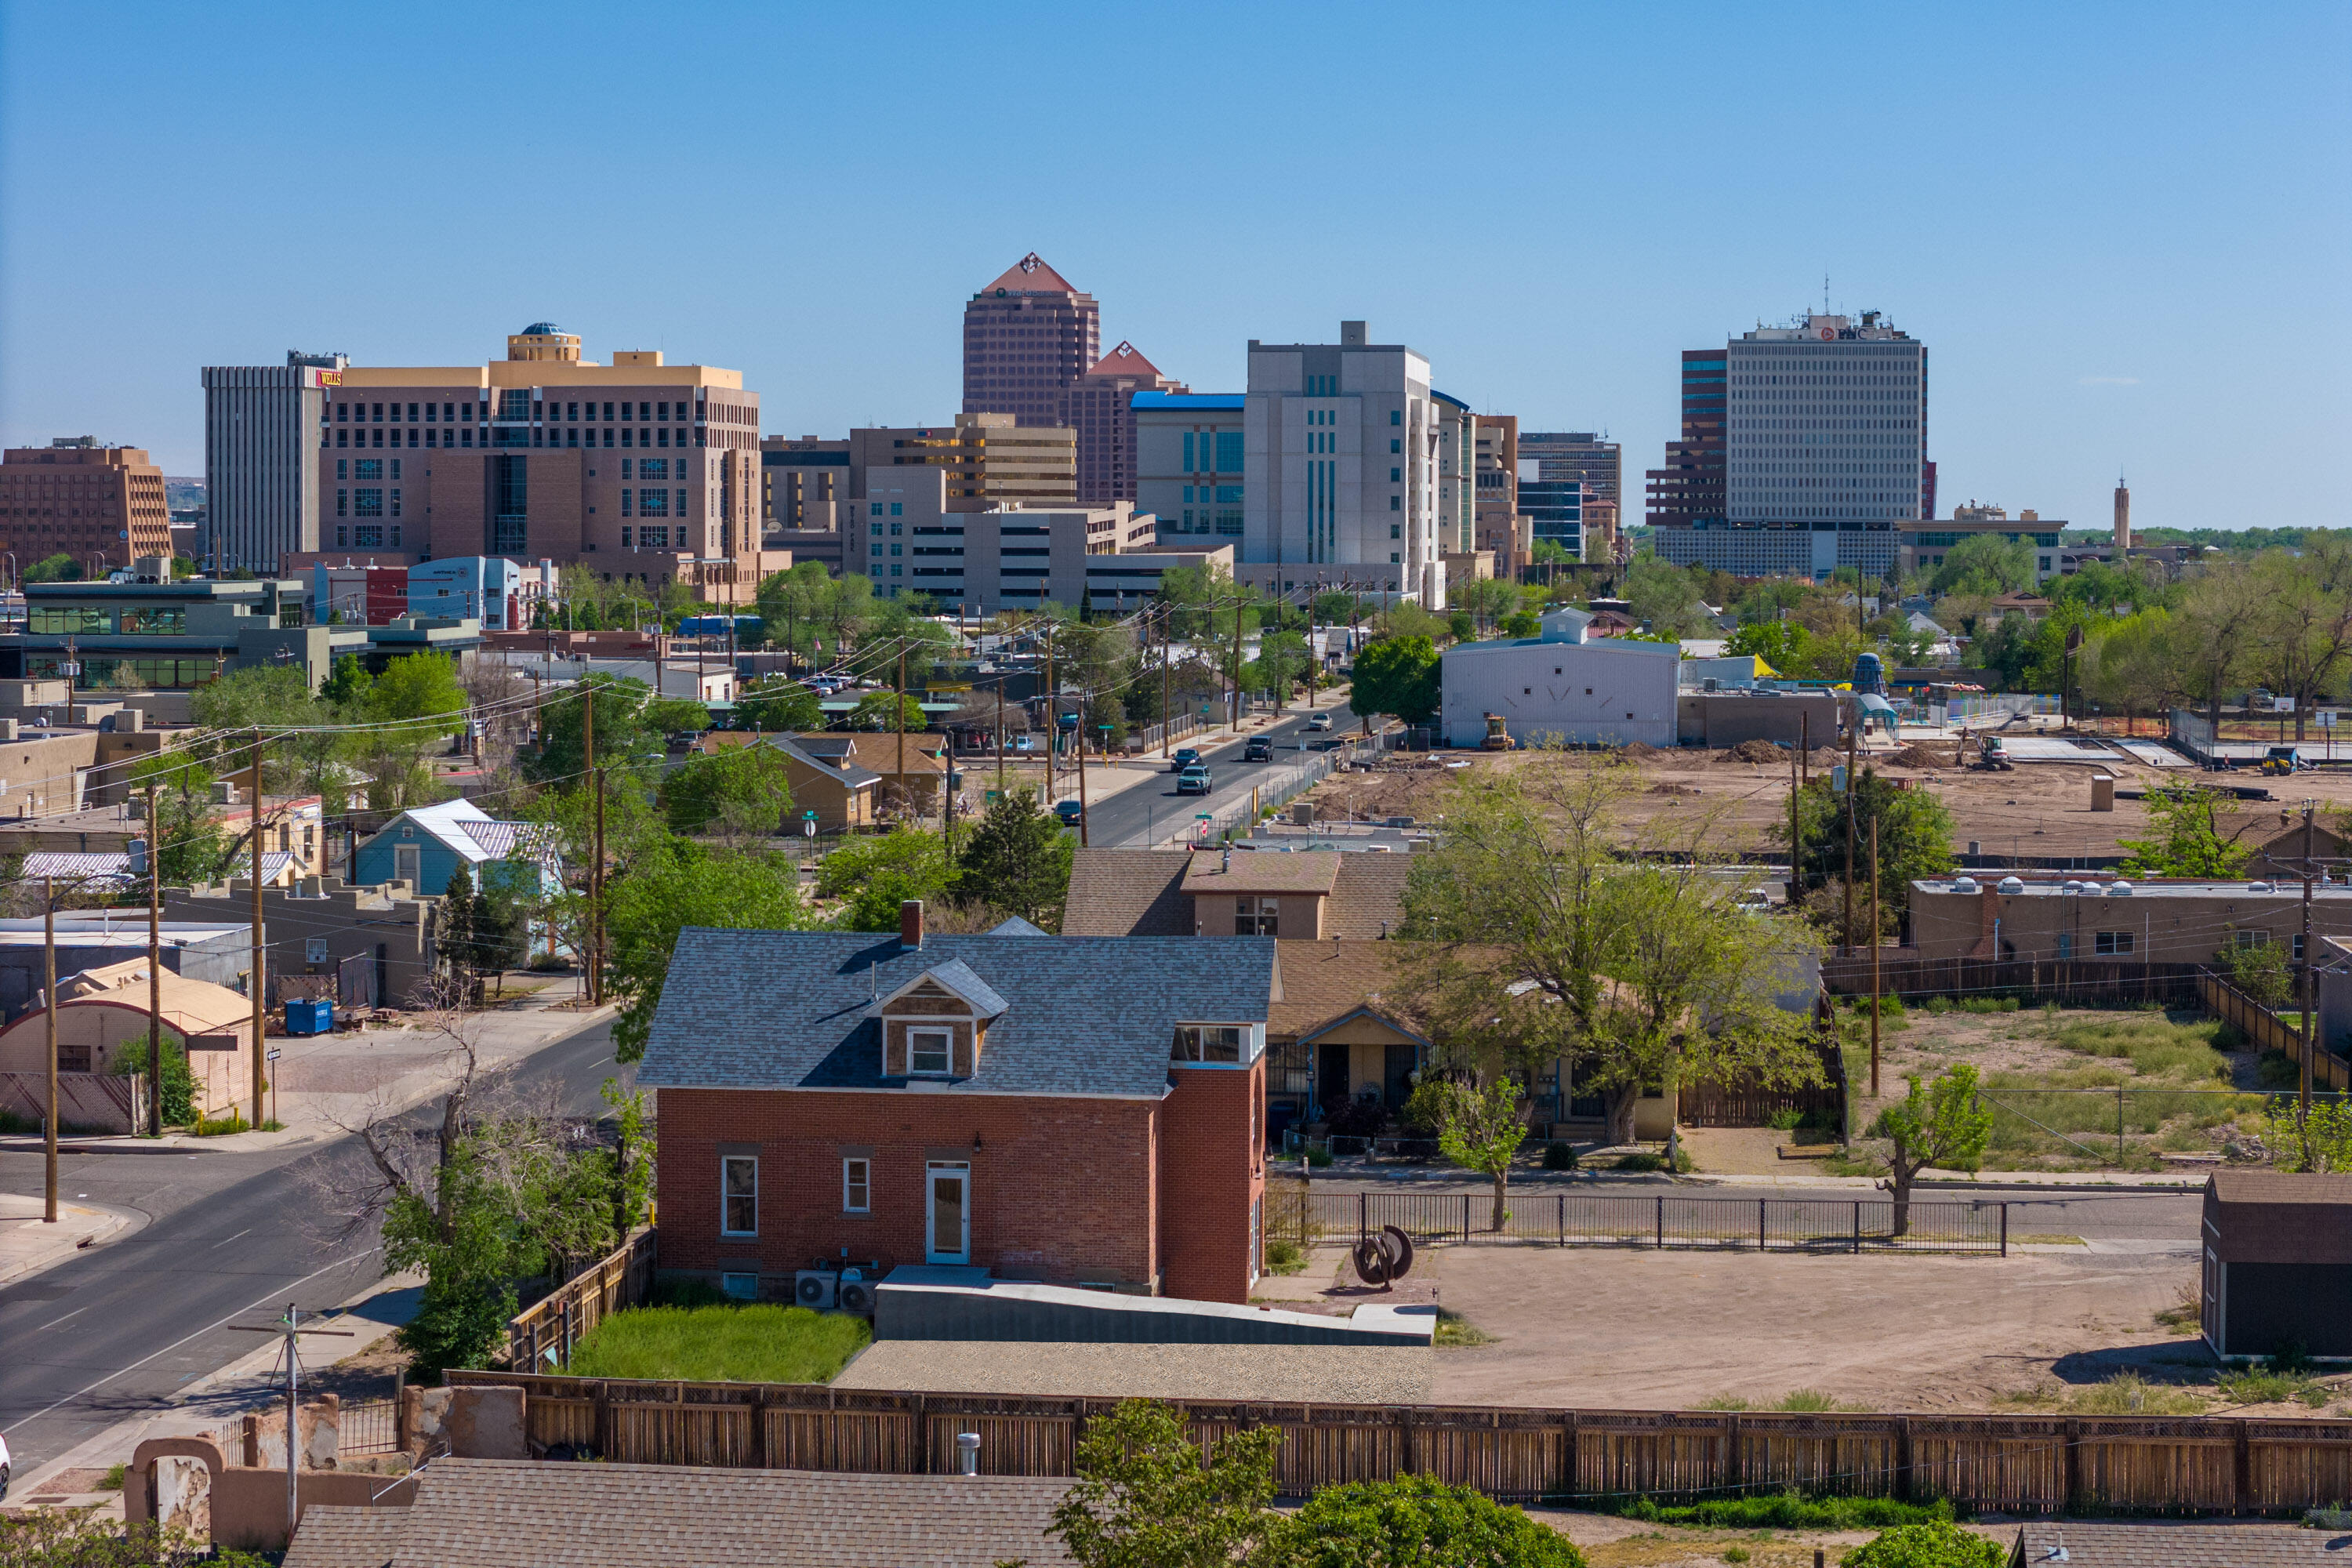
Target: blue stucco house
425,847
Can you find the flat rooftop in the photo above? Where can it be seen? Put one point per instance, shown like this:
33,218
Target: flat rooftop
2045,886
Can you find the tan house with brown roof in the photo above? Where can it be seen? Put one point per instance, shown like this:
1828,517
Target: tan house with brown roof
1307,896
1330,1034
841,792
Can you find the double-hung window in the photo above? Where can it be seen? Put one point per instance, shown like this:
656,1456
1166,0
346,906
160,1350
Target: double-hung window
2113,944
739,1194
928,1051
856,1186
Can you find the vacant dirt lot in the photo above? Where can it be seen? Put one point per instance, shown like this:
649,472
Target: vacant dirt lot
2038,809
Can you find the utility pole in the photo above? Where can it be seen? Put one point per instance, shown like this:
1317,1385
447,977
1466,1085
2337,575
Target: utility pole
596,860
155,971
1053,715
1238,664
1000,737
1845,932
899,709
260,960
49,1008
1804,748
288,1327
2309,1060
1167,714
1874,958
1081,735
1795,879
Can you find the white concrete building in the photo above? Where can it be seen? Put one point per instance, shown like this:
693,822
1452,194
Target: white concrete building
1341,453
1560,685
1825,425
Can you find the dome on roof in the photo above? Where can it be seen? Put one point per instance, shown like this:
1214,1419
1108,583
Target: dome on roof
542,329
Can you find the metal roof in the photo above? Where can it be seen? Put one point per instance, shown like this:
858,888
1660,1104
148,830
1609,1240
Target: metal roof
1213,401
1082,1015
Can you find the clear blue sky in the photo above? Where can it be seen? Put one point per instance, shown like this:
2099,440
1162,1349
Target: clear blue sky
2122,230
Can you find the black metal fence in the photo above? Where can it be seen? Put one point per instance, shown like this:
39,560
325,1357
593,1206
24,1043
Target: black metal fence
1593,1219
368,1426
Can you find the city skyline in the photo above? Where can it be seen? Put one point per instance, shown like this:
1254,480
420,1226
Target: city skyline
2108,236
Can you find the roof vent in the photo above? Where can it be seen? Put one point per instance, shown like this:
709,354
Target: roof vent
2120,888
2072,886
2012,884
2259,888
1964,884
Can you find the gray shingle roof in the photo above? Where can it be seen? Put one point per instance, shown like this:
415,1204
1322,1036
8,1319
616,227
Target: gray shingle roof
346,1537
1128,892
513,1513
957,976
2161,1543
1087,1015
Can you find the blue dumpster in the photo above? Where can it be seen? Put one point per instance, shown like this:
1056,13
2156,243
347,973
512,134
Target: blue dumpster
306,1017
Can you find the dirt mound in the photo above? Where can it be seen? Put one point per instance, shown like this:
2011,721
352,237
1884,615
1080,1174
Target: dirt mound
1916,756
1753,752
1673,789
1638,750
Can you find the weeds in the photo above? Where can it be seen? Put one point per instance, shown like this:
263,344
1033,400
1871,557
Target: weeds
112,1481
1455,1332
221,1126
1284,1258
2128,1394
1808,1400
2186,1313
2274,1384
1789,1510
1646,1160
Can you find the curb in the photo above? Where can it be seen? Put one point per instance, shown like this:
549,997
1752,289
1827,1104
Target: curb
117,1222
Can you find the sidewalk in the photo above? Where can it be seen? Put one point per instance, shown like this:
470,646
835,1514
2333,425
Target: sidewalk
28,1244
255,1381
327,1081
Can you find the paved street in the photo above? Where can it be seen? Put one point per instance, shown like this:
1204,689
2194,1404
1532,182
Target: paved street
116,1331
1135,818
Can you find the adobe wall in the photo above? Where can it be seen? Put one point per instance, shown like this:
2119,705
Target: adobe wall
1062,1189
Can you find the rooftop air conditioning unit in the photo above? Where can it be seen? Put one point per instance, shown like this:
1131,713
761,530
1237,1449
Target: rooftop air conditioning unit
856,1293
815,1288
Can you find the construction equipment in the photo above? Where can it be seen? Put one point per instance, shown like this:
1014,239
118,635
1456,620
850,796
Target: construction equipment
1990,755
1498,738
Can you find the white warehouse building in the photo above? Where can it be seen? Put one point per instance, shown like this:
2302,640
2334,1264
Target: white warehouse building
1561,686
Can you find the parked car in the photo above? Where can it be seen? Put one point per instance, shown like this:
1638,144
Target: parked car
1755,901
1193,780
1069,811
3,1466
1318,721
1184,758
1258,748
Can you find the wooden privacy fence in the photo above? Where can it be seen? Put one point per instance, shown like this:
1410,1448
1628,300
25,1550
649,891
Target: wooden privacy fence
2267,1031
1591,1219
2021,1464
1708,1103
622,1279
2089,981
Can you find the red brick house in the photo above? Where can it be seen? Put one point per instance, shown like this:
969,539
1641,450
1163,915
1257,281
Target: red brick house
1079,1110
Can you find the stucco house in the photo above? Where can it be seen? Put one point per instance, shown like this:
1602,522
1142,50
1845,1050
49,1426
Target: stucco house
1075,1110
102,1016
424,847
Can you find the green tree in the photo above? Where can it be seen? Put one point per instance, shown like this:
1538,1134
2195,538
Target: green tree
777,702
2187,841
1018,858
1937,1125
1941,1544
1147,1495
678,886
1665,599
1985,563
78,1538
191,846
627,732
1786,645
58,568
420,690
1479,1127
1914,835
1415,1522
455,935
743,791
346,686
1283,660
885,709
179,1086
1397,676
2257,968
874,875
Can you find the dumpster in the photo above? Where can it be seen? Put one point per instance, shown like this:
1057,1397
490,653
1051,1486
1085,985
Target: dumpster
306,1015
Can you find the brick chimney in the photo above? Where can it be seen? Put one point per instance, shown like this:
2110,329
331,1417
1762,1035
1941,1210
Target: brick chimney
911,923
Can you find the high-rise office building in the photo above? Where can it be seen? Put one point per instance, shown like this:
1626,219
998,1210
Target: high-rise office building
635,469
1096,407
1598,466
261,488
1499,524
1688,491
1554,509
1822,451
1027,337
1457,467
1341,455
988,460
1188,453
101,505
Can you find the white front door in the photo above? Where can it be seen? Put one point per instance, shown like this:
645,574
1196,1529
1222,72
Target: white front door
406,864
947,1208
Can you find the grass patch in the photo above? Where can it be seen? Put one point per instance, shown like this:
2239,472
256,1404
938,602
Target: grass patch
112,1481
1455,1332
2128,1394
1646,1160
2272,1385
2154,1044
2184,1316
762,1342
1788,1511
1796,1400
221,1126
1284,1258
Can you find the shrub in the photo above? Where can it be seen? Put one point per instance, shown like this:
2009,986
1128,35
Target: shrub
1416,1520
2276,1069
1319,1158
1358,1119
1938,1545
1558,1156
179,1084
1792,1510
1784,1121
1937,1007
220,1126
1284,1258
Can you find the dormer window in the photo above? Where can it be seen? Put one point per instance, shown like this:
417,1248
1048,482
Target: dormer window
1210,1042
928,1052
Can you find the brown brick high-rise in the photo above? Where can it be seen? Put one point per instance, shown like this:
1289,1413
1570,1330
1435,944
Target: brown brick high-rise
1027,337
101,505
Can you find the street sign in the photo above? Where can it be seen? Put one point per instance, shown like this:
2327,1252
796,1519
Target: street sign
271,1055
2326,717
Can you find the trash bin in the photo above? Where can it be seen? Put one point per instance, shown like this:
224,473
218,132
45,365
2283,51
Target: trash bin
306,1015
